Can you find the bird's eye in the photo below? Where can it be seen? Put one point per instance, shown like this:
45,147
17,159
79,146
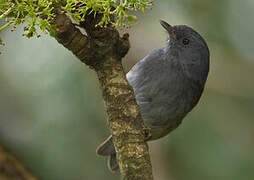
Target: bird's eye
186,41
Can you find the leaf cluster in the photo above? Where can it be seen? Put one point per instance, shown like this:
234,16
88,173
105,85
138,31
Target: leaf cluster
38,14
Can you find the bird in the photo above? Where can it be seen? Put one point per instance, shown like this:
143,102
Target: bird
167,84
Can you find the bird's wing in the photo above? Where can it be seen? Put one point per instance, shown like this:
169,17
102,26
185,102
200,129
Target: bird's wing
157,88
145,71
150,88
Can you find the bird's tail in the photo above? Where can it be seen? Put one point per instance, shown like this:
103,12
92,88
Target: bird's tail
107,149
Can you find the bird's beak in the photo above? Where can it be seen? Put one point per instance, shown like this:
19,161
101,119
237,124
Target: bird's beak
169,29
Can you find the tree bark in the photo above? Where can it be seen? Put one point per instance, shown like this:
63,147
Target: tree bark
102,50
125,122
12,169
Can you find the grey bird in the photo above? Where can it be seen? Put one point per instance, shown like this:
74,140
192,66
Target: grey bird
167,83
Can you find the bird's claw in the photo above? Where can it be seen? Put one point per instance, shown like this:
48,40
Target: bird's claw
148,134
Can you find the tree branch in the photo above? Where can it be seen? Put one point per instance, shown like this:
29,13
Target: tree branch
102,50
11,168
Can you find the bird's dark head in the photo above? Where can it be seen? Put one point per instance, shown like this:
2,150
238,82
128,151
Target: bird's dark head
189,48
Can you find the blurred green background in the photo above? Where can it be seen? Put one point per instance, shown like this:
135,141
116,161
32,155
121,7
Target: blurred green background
52,114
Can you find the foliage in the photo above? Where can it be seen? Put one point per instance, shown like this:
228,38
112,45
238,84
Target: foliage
39,13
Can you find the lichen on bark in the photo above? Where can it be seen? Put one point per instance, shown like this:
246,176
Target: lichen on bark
125,122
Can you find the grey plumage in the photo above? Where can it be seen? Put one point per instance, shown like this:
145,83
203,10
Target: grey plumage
167,83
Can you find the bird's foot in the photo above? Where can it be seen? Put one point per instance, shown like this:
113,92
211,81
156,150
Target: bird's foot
147,132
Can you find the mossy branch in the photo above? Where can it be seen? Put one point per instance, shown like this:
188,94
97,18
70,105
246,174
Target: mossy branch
102,50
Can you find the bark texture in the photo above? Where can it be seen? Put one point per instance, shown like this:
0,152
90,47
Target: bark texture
12,169
102,50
